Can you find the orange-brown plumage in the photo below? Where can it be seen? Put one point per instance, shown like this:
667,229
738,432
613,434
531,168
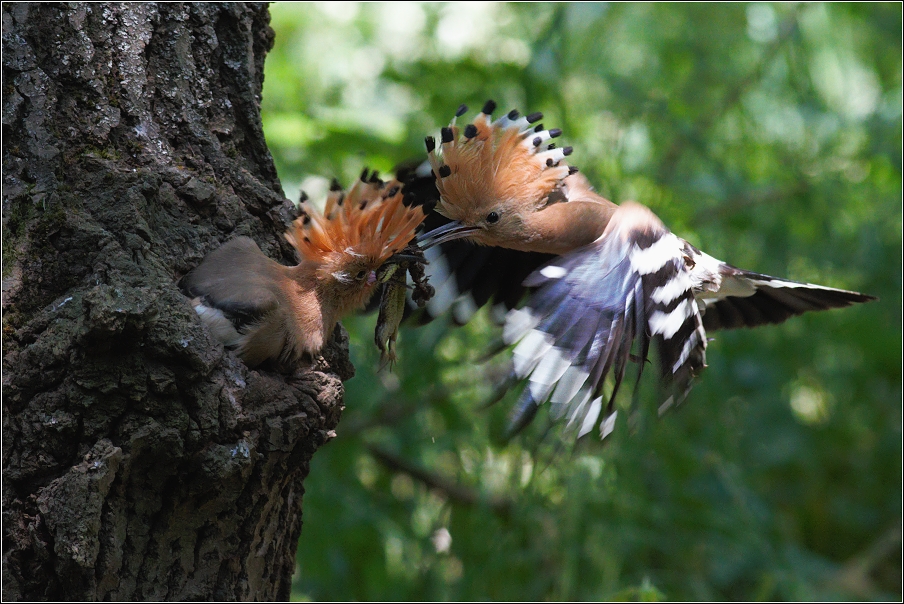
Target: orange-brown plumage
370,222
270,311
503,180
496,164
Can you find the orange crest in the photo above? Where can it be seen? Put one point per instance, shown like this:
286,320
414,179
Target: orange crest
508,161
371,221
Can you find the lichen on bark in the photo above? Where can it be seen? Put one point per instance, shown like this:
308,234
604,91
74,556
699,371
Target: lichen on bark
141,460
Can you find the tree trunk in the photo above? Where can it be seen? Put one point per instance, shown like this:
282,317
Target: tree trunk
140,460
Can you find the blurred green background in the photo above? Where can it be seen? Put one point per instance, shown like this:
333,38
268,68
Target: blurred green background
770,136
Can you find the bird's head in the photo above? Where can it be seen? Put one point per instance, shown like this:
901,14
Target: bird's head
356,233
492,175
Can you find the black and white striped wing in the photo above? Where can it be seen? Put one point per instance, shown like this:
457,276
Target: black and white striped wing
748,299
468,276
591,306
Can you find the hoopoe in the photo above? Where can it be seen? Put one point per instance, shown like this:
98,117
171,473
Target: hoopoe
615,273
266,310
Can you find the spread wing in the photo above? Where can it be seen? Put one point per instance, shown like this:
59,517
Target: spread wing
628,290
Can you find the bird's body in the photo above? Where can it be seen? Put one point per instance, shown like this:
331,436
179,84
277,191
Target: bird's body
617,276
266,310
262,308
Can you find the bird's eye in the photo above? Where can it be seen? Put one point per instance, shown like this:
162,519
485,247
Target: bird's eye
492,217
360,275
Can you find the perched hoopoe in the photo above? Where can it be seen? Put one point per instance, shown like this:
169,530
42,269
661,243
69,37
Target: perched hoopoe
616,275
269,311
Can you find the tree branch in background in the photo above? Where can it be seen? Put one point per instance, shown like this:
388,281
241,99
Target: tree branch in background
446,486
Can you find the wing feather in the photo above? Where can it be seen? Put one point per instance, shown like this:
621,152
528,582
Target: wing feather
589,311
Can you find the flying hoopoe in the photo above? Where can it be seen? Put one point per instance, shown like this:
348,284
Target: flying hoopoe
266,310
615,274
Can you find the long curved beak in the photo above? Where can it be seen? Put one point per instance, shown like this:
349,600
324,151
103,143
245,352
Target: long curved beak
447,232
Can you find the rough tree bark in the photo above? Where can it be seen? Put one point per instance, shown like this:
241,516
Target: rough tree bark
140,460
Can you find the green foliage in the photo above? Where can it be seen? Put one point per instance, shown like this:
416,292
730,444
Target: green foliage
768,135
